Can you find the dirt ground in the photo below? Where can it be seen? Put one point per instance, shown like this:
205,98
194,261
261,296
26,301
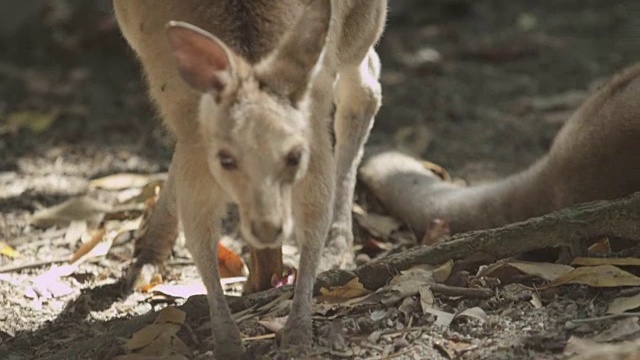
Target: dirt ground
478,87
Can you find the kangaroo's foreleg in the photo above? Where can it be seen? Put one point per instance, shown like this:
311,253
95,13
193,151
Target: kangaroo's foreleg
201,205
312,212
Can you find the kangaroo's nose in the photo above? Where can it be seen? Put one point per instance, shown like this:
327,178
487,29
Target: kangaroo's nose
266,231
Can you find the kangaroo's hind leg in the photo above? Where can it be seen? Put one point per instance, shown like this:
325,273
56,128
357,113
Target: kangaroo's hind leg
358,98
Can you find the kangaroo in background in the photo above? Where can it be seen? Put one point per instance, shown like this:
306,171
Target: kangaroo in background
247,88
595,156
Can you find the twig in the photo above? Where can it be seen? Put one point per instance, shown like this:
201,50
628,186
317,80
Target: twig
260,337
460,291
606,317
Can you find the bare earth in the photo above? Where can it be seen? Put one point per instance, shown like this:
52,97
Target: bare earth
478,87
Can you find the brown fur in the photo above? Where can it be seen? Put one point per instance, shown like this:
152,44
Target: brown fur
250,108
596,155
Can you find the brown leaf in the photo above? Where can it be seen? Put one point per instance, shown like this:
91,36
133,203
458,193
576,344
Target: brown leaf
606,261
350,290
170,315
622,304
597,276
442,272
408,283
602,246
229,263
148,334
547,271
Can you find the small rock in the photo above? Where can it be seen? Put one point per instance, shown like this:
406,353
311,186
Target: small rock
362,259
364,324
374,336
400,343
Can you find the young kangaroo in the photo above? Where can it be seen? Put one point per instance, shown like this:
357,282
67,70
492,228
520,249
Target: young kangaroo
595,156
250,108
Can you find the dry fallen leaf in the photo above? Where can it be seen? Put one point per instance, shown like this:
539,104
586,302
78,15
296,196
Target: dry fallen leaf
536,301
158,339
547,271
180,291
350,290
273,324
379,226
137,196
120,181
628,350
584,261
171,315
79,208
408,283
7,250
229,263
597,276
442,272
426,299
622,304
453,349
443,318
602,246
148,334
622,329
474,312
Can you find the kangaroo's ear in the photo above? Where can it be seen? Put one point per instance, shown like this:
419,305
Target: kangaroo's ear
288,69
203,60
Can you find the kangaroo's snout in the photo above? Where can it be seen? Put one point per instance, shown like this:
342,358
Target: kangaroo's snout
268,232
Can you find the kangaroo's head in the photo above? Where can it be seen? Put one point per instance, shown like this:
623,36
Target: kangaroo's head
251,119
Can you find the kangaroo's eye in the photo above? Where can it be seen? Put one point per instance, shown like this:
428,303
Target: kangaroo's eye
227,161
292,159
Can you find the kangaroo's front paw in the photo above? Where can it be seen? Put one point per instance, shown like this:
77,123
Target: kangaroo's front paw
338,252
296,337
